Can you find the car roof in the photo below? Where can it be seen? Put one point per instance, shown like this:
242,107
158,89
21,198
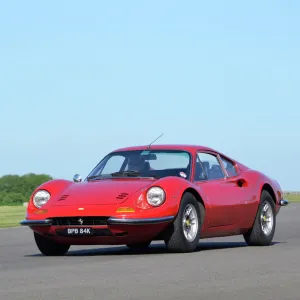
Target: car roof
184,147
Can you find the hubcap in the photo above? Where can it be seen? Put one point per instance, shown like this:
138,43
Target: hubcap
190,222
266,219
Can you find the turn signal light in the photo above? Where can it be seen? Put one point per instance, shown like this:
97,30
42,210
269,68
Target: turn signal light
125,210
41,211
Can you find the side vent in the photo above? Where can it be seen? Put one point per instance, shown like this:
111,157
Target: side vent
63,197
122,196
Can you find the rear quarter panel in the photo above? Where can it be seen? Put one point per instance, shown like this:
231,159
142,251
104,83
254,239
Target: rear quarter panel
257,181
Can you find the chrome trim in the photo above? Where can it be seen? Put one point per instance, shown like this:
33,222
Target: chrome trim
120,221
283,202
46,222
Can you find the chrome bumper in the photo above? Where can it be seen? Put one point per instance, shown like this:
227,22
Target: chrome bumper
283,202
146,221
110,221
46,222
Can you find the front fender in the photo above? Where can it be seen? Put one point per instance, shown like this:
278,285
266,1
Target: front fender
55,187
174,188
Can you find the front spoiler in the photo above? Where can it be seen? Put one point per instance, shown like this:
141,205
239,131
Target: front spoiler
110,221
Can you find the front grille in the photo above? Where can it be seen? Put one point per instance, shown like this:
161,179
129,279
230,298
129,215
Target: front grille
79,221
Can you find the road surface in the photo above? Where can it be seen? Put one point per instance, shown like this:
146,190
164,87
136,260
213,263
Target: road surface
222,268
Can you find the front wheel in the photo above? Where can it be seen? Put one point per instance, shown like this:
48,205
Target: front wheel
262,232
49,247
184,234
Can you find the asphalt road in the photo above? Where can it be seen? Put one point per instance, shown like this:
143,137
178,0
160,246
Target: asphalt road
223,268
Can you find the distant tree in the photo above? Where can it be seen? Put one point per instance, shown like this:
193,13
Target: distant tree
16,189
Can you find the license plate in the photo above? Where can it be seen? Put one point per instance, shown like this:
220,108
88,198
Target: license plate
79,231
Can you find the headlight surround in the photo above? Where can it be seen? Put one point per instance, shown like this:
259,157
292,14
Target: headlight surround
156,196
40,198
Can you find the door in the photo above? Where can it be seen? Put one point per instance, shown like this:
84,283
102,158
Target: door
225,191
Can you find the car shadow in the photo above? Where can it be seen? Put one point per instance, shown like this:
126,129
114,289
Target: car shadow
152,249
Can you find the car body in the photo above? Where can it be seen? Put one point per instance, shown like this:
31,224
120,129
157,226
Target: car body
180,194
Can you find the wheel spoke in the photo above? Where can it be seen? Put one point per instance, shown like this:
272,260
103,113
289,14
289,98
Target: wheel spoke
190,222
266,218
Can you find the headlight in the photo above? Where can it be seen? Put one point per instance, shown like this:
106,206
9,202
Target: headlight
40,198
156,196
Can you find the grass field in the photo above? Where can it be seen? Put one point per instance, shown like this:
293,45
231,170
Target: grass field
292,197
10,216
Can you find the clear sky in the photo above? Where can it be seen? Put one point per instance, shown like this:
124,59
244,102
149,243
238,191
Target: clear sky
81,78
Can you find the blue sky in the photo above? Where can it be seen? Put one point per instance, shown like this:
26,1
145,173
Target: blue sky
81,78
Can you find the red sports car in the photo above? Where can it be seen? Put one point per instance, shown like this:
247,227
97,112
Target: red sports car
175,193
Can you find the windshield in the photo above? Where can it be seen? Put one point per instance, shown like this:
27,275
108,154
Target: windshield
144,163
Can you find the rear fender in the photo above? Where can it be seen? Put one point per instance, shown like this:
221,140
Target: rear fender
259,183
273,187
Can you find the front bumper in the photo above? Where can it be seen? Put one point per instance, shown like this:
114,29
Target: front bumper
146,221
112,231
283,202
46,222
110,221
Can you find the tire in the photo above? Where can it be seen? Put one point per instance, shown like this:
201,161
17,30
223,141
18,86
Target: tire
256,236
49,247
176,240
144,245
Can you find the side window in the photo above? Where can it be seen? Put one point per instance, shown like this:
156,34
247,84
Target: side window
211,166
229,166
200,173
114,164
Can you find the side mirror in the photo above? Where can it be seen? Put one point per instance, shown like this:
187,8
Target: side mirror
77,178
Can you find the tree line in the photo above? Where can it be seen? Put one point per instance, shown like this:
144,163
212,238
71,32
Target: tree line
16,189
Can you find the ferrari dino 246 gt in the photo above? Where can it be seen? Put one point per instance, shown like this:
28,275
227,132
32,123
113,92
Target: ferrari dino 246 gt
175,193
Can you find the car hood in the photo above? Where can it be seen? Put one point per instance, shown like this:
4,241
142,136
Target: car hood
101,192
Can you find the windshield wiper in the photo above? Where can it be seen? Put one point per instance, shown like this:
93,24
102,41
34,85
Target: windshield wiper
99,176
130,173
127,173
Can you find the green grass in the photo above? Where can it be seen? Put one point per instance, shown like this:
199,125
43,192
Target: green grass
292,197
10,216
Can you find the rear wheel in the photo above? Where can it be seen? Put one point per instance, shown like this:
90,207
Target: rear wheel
184,234
262,232
49,247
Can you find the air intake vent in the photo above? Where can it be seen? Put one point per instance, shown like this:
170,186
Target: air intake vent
122,196
83,221
63,197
